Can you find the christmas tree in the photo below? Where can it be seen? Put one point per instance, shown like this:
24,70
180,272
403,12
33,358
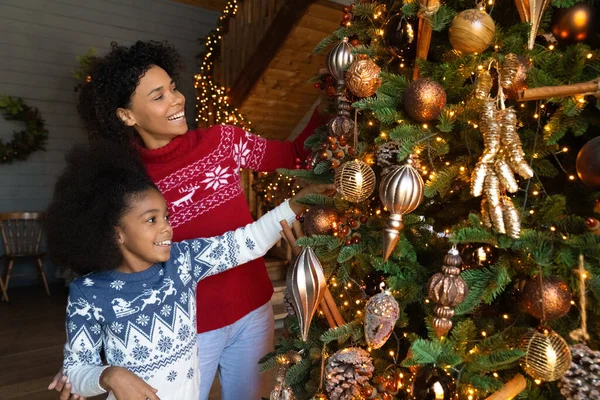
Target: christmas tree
460,259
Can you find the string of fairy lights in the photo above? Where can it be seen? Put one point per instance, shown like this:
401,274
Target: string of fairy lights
212,101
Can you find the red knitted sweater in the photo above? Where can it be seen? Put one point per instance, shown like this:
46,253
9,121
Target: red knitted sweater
198,173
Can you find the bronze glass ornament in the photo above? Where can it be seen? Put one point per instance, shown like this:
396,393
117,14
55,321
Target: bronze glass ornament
306,283
401,192
472,31
588,163
424,99
478,255
547,355
400,36
340,126
548,300
319,220
447,289
339,57
362,78
355,180
431,383
381,314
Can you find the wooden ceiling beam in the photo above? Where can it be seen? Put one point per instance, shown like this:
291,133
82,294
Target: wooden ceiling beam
285,20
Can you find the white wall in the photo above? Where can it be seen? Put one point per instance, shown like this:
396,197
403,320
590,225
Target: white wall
39,42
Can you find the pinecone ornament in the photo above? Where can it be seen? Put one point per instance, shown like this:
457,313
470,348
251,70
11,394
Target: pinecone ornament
347,371
582,379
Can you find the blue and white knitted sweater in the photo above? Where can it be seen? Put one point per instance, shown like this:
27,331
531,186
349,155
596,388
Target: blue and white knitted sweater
146,321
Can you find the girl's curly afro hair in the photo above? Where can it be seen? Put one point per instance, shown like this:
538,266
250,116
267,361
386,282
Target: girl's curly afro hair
97,187
113,80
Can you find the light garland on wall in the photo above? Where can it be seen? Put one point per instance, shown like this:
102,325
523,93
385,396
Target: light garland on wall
212,99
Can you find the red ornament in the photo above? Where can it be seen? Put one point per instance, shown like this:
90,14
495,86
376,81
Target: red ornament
317,85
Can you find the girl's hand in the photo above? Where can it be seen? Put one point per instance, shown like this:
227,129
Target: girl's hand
313,188
125,385
60,384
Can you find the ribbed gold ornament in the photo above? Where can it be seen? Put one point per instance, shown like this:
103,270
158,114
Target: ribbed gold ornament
506,176
355,180
478,178
484,84
401,192
511,142
339,57
362,78
512,220
547,355
306,284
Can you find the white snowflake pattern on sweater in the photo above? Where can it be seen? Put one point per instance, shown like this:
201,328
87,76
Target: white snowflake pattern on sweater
146,321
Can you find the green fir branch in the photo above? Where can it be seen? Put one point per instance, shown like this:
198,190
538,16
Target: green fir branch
314,199
298,373
341,334
349,252
423,352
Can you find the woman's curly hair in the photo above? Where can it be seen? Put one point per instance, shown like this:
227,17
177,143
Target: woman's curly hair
98,185
113,80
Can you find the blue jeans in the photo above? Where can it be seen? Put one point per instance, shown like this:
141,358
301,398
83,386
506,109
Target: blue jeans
235,350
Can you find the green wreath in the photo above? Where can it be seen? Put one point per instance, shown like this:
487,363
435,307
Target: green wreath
24,142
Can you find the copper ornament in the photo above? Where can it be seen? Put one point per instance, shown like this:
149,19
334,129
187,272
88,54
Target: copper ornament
381,314
552,292
547,355
401,192
319,220
424,100
339,57
362,78
447,289
355,180
306,283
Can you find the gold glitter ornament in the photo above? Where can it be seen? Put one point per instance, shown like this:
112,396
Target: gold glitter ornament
362,78
512,220
401,192
355,180
381,314
478,178
472,31
484,84
424,100
513,74
547,355
506,176
485,213
447,289
492,189
497,217
512,143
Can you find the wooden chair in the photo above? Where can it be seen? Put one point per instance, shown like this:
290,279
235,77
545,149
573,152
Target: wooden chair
21,233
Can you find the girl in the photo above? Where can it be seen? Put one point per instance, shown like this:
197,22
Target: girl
132,99
137,300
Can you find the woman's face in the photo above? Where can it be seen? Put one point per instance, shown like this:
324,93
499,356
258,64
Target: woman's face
157,109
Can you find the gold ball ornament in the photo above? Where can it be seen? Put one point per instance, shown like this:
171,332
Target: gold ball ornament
424,100
362,78
401,192
355,180
472,31
547,355
556,300
319,221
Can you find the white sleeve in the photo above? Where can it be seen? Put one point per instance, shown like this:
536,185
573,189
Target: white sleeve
82,363
209,256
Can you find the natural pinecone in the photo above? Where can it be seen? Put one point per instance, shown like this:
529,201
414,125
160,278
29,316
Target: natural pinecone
582,380
346,372
288,303
386,155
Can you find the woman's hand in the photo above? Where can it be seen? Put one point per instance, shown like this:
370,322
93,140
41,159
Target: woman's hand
313,188
60,384
125,385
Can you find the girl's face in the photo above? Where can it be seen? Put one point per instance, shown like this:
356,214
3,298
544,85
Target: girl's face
144,232
157,109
